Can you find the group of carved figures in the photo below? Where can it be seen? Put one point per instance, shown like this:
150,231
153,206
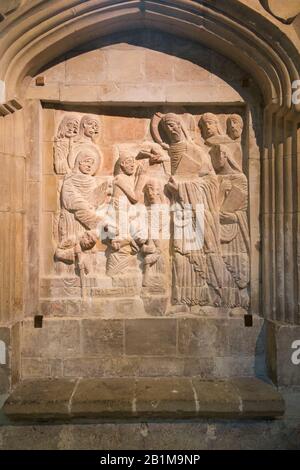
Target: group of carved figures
174,170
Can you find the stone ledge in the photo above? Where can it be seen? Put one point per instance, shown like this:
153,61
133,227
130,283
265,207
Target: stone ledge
159,397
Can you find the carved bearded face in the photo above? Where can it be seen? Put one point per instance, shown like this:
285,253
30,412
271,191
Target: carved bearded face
90,128
72,126
210,128
87,165
235,128
128,165
173,129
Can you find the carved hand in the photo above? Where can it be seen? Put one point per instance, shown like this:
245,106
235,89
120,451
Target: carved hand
116,245
226,186
228,218
155,157
172,185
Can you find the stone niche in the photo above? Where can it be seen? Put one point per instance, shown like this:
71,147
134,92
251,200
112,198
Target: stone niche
143,122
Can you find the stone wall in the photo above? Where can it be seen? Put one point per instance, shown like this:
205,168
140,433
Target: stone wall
206,347
12,227
12,206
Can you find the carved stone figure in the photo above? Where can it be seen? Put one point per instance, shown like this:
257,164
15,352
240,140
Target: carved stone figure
235,127
81,196
153,163
233,201
155,250
199,274
64,143
213,134
89,130
211,130
121,248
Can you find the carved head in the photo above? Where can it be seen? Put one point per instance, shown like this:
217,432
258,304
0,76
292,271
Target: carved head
235,126
87,163
125,163
89,126
209,125
153,192
173,127
88,240
68,127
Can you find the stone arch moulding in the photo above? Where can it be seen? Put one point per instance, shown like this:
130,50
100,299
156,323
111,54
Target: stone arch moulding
39,31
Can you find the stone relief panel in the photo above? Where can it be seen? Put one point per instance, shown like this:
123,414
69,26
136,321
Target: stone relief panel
180,187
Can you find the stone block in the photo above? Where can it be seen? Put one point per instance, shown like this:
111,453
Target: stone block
201,93
50,92
185,69
19,133
17,183
9,134
15,353
155,305
48,168
158,66
40,399
199,337
102,337
150,337
203,367
5,371
105,398
165,397
258,398
55,73
49,129
123,366
125,67
79,93
33,195
16,254
131,93
51,195
158,397
215,398
232,366
36,367
241,340
221,337
86,68
283,353
4,380
5,287
48,253
5,194
56,339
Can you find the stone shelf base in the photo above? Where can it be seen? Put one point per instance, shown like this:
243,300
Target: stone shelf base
125,398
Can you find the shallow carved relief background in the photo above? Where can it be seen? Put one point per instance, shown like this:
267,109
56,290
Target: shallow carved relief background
143,158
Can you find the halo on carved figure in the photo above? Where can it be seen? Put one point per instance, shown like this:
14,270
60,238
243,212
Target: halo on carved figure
157,127
85,148
88,151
